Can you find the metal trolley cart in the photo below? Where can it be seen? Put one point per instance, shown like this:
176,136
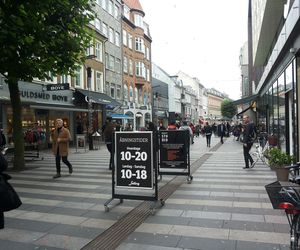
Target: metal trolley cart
174,153
134,174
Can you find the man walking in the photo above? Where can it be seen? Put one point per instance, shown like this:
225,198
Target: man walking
60,147
221,131
108,137
249,130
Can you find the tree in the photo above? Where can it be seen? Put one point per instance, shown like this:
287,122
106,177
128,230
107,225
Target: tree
228,109
38,37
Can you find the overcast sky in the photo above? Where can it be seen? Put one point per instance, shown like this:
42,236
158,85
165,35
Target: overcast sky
202,38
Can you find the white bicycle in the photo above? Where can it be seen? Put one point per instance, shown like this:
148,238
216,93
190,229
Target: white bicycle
260,149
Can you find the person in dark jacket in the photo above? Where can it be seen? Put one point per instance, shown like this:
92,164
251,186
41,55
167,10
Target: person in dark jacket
221,131
2,139
208,133
249,129
108,137
3,167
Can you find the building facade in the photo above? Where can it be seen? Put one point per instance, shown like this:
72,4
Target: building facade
214,101
276,26
137,92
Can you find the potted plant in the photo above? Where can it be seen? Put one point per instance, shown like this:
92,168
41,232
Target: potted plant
278,160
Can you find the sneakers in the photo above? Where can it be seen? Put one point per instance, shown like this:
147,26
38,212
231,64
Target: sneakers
252,164
56,176
245,167
70,169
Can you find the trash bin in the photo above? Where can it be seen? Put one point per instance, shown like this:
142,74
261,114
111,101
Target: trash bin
96,140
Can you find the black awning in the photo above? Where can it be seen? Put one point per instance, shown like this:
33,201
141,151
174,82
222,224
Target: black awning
83,95
245,100
243,111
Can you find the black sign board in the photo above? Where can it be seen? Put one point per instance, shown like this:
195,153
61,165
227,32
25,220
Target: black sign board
134,159
58,86
174,145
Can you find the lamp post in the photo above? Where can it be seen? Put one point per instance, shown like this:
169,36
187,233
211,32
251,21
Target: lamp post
90,117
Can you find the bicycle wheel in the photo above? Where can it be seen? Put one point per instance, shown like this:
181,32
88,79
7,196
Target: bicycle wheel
294,234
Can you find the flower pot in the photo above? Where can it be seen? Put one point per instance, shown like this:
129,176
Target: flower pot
282,174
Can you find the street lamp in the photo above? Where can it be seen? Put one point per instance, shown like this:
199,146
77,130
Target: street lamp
90,117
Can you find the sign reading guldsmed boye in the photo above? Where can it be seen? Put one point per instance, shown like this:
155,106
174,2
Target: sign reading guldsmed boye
134,159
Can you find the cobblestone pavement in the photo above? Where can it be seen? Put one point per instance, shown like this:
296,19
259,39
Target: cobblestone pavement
224,207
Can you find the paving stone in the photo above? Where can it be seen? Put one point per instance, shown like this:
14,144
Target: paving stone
246,245
13,245
249,226
163,240
132,246
206,244
30,225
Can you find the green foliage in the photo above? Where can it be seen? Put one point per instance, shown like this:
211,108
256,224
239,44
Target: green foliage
41,36
278,158
228,109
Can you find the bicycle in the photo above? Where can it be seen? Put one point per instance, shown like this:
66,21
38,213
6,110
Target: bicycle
260,149
285,195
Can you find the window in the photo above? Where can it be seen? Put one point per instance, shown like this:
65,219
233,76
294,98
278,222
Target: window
99,81
125,67
106,60
125,92
136,96
125,37
99,52
97,24
111,62
111,35
64,79
103,4
112,90
138,21
116,11
139,44
77,78
107,88
118,65
110,7
118,92
130,41
105,29
126,12
140,69
130,67
90,50
131,93
117,39
147,53
148,75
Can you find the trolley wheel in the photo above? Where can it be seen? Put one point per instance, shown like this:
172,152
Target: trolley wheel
162,202
106,208
189,179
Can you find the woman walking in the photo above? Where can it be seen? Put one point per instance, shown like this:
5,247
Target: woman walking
208,133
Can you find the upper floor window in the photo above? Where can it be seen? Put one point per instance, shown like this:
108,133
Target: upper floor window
105,29
140,69
99,51
136,96
125,67
126,12
130,67
118,92
125,92
148,75
106,60
97,24
125,37
116,11
138,20
147,53
117,39
118,65
110,7
129,41
90,50
111,62
139,44
112,90
99,81
103,4
111,35
77,78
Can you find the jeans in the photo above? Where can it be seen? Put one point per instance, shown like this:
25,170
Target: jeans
247,156
65,161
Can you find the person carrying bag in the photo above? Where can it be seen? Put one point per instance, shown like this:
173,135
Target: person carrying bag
9,199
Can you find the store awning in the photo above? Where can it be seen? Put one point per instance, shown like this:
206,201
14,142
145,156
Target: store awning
119,116
96,97
251,107
245,100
